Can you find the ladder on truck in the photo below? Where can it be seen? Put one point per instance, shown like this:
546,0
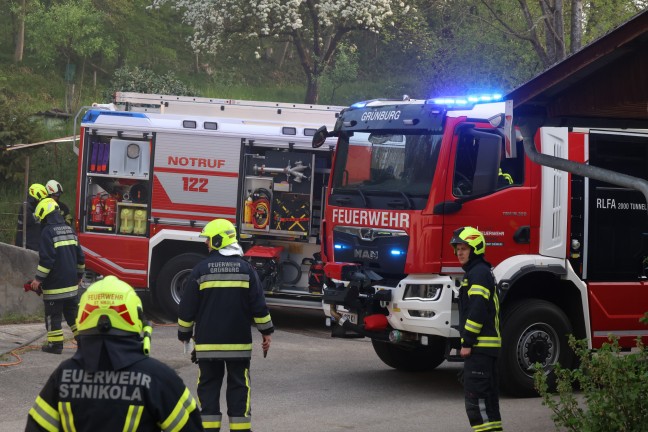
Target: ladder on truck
281,112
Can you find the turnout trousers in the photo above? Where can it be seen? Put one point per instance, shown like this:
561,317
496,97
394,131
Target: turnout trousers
481,392
237,393
55,311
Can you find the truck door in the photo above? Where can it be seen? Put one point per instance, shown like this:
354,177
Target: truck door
489,193
616,249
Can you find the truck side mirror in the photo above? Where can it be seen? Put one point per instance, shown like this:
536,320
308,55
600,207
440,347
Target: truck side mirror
320,137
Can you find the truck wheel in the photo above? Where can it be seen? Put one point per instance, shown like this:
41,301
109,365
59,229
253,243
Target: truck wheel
533,331
171,282
418,358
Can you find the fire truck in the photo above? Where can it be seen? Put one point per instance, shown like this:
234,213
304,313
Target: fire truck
154,169
569,253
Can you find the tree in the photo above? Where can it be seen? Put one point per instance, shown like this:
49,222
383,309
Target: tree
344,69
315,28
558,28
15,128
73,30
19,14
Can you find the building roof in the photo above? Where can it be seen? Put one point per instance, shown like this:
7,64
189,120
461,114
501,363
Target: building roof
605,84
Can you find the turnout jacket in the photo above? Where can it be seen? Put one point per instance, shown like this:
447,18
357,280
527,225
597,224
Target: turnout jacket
222,298
137,394
61,262
479,309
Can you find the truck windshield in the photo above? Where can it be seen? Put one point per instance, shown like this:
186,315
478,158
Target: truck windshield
384,170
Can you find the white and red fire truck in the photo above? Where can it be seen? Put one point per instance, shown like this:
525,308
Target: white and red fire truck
154,172
569,253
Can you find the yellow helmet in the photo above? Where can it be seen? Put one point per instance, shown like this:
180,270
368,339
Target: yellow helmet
110,306
38,191
44,208
220,233
471,237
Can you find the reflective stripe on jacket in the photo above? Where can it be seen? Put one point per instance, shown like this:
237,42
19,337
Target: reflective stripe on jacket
61,262
479,309
146,396
222,298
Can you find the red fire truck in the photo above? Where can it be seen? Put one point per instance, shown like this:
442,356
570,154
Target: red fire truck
154,171
569,252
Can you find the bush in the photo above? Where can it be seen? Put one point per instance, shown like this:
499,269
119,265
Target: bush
614,389
140,80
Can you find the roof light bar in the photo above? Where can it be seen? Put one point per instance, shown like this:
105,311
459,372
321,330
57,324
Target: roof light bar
464,101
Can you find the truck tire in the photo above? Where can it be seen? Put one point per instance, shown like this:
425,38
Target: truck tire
532,331
418,358
171,282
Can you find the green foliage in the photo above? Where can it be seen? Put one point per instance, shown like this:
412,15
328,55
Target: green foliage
344,69
73,29
46,162
15,128
614,386
146,81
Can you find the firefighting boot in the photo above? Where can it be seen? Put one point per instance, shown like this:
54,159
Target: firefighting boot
53,348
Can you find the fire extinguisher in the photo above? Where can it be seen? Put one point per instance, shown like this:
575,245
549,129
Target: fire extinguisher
249,209
97,213
110,210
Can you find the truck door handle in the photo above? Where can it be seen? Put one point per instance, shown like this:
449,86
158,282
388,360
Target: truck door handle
522,235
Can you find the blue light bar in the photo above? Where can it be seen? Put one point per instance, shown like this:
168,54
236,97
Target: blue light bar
339,246
397,252
459,102
92,115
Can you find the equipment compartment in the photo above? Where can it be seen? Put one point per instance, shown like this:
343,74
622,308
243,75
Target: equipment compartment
278,194
117,186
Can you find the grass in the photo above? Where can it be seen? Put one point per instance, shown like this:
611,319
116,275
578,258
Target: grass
12,318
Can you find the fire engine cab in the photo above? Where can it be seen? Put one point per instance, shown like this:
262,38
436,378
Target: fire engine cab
569,253
154,169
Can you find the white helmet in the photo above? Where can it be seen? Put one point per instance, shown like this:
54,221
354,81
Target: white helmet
53,187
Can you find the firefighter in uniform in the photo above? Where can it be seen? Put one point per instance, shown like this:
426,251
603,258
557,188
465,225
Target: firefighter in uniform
111,384
36,193
60,268
222,298
479,328
54,190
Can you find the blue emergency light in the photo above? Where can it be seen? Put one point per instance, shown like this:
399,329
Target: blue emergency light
464,102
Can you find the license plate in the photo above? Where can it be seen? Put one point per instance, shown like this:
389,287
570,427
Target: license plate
353,318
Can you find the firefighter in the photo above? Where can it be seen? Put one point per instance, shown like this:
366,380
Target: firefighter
111,384
54,190
479,329
61,265
36,193
223,296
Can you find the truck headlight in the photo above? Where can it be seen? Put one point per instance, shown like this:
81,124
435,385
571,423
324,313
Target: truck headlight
425,292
